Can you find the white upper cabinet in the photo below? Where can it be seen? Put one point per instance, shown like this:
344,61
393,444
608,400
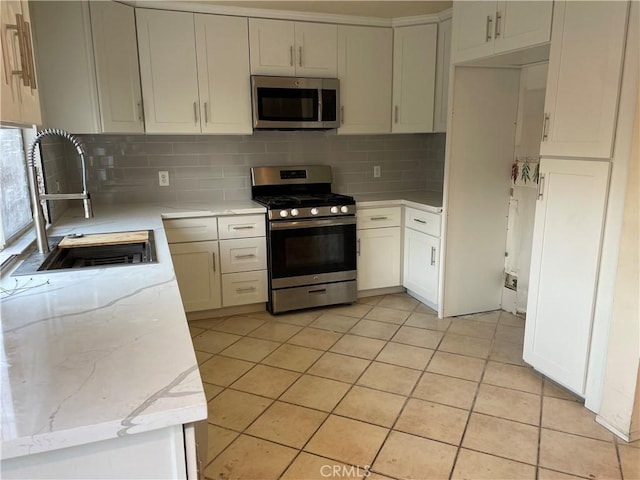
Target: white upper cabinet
19,96
280,47
168,68
414,78
443,67
98,90
116,58
585,66
195,74
481,29
365,73
223,74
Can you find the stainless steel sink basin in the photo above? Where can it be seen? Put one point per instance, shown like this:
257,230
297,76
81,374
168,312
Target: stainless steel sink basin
95,256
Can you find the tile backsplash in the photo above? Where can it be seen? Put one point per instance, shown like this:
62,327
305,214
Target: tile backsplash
124,168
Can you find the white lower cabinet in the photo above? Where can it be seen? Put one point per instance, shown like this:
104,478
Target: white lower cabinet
197,270
567,238
379,248
161,453
422,255
214,273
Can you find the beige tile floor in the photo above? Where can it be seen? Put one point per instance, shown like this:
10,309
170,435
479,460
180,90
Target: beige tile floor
384,389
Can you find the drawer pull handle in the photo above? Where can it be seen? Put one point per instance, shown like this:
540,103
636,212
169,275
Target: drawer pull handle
246,227
358,247
250,255
321,290
419,220
489,22
214,261
433,256
379,218
245,290
545,127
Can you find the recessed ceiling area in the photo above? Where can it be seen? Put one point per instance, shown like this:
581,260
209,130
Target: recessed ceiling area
379,9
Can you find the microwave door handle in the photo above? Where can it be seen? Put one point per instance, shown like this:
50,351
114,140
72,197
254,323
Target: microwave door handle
319,105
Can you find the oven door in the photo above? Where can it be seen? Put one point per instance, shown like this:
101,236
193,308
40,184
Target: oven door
314,251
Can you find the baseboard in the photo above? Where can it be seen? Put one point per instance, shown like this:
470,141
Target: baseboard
226,311
423,300
612,429
374,292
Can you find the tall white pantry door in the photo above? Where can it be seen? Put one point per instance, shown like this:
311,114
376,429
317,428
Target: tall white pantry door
567,239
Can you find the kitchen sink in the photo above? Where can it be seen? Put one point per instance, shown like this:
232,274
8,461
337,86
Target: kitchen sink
90,256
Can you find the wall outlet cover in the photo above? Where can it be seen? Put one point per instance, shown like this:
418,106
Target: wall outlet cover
163,178
376,171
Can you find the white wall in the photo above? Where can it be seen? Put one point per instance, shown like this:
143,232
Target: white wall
522,204
621,371
613,367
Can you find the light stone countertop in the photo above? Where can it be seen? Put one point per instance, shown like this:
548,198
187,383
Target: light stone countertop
94,354
422,200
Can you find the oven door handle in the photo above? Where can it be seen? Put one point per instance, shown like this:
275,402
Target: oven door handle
321,222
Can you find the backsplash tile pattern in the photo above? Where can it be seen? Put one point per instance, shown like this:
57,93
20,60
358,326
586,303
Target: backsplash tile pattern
124,168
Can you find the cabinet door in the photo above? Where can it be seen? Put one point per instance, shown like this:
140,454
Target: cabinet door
365,73
316,50
272,47
522,24
20,100
414,78
564,266
223,74
585,64
197,267
421,254
167,51
115,48
443,66
10,84
473,29
379,258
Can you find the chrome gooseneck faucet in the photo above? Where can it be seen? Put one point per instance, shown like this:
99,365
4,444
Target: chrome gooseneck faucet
37,197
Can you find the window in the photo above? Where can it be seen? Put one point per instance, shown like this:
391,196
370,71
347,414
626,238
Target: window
15,208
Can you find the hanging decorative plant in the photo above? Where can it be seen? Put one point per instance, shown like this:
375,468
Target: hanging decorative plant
536,173
526,171
514,171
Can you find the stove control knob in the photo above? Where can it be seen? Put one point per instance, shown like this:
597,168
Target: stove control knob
344,209
284,213
334,209
294,212
314,211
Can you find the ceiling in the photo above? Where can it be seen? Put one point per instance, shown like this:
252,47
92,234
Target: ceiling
379,9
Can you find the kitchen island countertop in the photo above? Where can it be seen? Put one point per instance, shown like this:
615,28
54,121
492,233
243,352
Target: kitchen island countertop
94,354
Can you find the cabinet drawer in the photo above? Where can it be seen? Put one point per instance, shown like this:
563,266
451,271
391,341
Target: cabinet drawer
244,288
379,217
241,226
243,254
425,222
196,229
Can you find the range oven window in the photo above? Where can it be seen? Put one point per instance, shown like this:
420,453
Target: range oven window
288,104
313,250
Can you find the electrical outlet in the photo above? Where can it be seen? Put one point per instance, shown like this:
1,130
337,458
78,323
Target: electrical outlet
376,171
163,178
511,281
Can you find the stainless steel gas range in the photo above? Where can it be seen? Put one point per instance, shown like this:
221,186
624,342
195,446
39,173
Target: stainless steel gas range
311,239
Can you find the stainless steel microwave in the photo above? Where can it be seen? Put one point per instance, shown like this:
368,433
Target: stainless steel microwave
291,103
